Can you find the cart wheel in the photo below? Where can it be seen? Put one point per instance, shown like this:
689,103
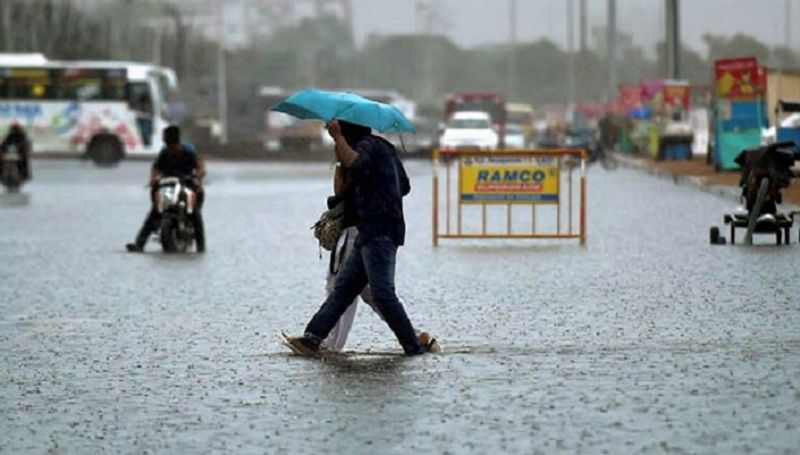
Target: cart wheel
713,235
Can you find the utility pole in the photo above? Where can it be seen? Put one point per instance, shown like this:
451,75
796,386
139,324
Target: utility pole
787,24
180,38
511,81
347,10
424,20
222,89
6,12
570,54
673,39
156,42
611,48
582,26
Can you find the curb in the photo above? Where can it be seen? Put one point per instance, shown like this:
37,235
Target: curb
724,191
731,193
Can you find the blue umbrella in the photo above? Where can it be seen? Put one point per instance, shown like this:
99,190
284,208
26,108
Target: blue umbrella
347,106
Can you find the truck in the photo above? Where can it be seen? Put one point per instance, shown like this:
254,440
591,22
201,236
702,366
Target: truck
675,130
522,115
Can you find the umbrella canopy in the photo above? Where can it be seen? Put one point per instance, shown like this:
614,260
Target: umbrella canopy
347,106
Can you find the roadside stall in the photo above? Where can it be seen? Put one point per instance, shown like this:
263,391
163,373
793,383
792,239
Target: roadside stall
675,132
633,122
739,109
651,98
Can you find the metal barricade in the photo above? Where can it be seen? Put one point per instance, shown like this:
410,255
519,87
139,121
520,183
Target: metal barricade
510,178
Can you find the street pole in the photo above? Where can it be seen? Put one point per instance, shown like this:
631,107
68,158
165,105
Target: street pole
6,7
787,24
582,26
672,39
156,43
430,86
222,90
676,34
570,54
611,48
511,80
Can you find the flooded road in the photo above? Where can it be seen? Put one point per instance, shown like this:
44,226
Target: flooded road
646,340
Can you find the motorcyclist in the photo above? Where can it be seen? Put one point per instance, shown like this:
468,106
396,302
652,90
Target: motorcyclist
176,159
16,137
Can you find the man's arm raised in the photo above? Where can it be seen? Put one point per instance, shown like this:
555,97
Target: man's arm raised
344,153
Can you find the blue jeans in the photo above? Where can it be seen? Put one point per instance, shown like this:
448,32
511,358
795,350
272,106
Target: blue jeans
372,263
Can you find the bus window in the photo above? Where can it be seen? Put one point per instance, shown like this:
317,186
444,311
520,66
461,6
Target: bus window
25,84
90,84
90,90
136,92
141,103
114,90
28,90
114,84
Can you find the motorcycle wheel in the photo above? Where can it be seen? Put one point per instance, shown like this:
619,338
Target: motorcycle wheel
11,178
171,239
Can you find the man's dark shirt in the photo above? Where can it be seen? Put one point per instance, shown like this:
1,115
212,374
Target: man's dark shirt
176,164
379,183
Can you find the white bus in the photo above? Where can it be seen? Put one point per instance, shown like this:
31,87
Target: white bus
106,110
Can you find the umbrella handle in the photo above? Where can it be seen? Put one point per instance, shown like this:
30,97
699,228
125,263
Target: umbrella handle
402,144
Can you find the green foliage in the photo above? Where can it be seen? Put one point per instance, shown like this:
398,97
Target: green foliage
784,57
540,76
408,63
735,46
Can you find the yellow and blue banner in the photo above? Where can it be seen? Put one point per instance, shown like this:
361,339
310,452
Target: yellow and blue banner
503,180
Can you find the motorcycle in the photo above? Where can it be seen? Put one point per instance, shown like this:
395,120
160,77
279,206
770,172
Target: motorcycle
176,202
587,140
766,172
12,179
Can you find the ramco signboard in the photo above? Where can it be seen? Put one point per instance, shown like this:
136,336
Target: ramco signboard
533,180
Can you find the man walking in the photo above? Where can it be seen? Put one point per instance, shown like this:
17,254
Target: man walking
379,183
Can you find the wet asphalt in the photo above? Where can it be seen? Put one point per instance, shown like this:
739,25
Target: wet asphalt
647,340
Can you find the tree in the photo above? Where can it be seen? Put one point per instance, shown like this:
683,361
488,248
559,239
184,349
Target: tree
784,57
694,67
420,66
738,45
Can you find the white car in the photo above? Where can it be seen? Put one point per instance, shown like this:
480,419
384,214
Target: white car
471,130
515,137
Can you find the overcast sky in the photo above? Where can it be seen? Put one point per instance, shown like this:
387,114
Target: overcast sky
478,22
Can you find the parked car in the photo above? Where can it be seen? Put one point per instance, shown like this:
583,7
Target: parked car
469,129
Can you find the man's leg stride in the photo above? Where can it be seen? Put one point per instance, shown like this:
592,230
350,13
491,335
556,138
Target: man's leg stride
150,225
379,256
